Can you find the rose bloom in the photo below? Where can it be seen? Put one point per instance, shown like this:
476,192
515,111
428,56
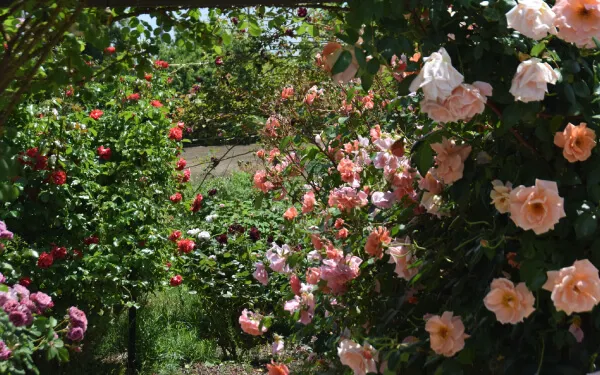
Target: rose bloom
58,177
261,182
510,304
148,77
176,198
530,83
156,103
197,203
342,233
437,111
575,288
277,369
361,359
331,53
375,133
186,246
250,321
446,333
176,280
290,213
175,134
96,114
537,207
432,203
133,97
349,172
175,235
402,256
45,260
347,198
313,275
260,274
577,142
450,160
287,93
576,331
58,252
308,202
383,199
500,195
438,78
277,257
260,154
181,163
532,18
430,183
379,236
578,21
271,126
338,271
467,100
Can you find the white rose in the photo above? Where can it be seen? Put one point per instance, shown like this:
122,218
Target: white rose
530,83
532,18
438,78
204,236
193,232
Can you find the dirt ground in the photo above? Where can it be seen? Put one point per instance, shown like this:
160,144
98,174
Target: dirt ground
238,158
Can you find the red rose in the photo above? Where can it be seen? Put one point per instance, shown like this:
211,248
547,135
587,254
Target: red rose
96,114
156,103
69,92
181,164
175,235
45,260
135,96
197,203
91,240
176,280
41,162
185,246
219,61
58,177
168,264
104,152
32,152
176,198
186,175
58,252
78,253
25,281
160,64
175,134
148,77
110,50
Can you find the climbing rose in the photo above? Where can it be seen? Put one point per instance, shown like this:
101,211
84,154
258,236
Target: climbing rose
104,152
402,256
537,207
346,198
446,333
383,199
430,183
349,172
176,198
577,142
287,93
361,359
96,114
277,257
5,352
58,252
185,177
450,160
261,182
75,334
77,318
295,284
175,235
58,177
530,83
466,100
260,274
308,202
197,203
110,50
45,260
575,288
176,280
379,236
250,322
175,134
578,21
338,271
501,196
532,18
290,213
181,163
20,316
438,78
156,103
186,246
510,304
313,275
277,369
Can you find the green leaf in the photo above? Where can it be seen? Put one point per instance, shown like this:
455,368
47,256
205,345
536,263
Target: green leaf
424,158
537,49
596,42
373,66
342,63
366,81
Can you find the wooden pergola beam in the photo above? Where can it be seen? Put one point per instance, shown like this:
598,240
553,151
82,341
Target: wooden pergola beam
194,3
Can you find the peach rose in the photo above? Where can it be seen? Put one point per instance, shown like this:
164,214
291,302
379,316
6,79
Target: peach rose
402,256
450,160
313,275
342,233
287,93
446,333
537,207
290,213
467,100
379,236
510,304
308,202
349,172
432,203
577,142
430,183
578,21
532,18
575,288
261,182
361,359
438,78
339,223
437,111
250,323
530,83
501,196
277,369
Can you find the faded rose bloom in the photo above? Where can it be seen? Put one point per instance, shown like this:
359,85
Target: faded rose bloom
510,304
375,133
250,323
537,207
287,93
500,195
578,21
530,83
576,331
432,203
271,126
313,275
290,214
446,333
261,182
379,236
5,352
277,257
402,256
278,345
577,142
575,288
260,274
430,183
361,359
383,200
438,78
532,18
450,160
337,272
437,111
308,202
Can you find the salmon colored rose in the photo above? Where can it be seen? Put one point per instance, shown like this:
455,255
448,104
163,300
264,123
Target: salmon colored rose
250,323
379,236
446,333
510,304
402,256
537,207
277,369
575,288
430,183
291,213
361,359
501,196
577,142
450,160
578,21
308,202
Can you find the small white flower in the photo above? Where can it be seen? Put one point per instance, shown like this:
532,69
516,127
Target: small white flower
204,236
212,257
193,232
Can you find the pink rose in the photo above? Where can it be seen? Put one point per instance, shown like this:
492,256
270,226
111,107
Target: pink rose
578,21
290,214
361,359
308,202
383,200
379,236
346,198
277,257
402,256
250,323
446,333
438,78
577,142
432,203
313,275
510,304
530,83
467,100
537,207
450,160
576,331
575,288
261,182
532,18
260,274
437,111
295,284
349,172
430,183
278,345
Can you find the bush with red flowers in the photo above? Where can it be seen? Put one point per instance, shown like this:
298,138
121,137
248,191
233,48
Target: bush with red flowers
104,152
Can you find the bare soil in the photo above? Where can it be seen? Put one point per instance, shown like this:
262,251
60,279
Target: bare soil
237,158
